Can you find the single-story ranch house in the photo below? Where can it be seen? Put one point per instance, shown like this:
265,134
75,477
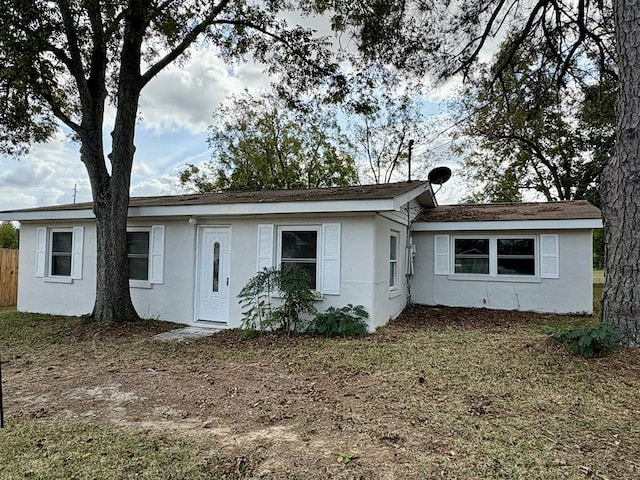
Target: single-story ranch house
379,246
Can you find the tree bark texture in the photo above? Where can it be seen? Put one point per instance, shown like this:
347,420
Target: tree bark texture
621,185
111,193
113,299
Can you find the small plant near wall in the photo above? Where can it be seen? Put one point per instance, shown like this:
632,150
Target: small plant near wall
596,340
276,299
344,322
255,299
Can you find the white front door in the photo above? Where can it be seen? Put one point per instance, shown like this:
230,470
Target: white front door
212,289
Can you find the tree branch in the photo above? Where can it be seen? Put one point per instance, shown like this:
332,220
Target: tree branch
76,67
483,38
184,44
520,38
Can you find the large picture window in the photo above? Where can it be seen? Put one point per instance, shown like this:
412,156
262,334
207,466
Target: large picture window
495,256
138,253
299,249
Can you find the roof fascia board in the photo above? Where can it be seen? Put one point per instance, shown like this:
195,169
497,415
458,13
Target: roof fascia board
271,208
564,224
267,208
48,215
418,192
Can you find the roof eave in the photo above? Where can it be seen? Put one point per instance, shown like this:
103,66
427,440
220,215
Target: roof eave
486,225
422,193
232,209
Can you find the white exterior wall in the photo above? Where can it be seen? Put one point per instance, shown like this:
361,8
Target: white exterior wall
41,295
572,292
356,263
388,303
363,279
173,299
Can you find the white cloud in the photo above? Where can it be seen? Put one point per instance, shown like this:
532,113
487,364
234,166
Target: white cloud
157,186
47,175
183,97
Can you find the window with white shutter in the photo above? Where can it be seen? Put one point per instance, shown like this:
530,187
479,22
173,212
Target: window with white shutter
59,253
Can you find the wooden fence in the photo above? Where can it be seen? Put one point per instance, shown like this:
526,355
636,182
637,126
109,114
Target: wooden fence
8,277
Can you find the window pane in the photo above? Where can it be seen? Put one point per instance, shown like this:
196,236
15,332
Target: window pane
138,243
392,274
516,266
216,267
472,255
516,256
299,244
139,268
472,246
472,265
310,268
62,242
515,246
393,247
61,265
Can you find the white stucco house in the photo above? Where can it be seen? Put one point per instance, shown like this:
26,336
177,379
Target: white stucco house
379,246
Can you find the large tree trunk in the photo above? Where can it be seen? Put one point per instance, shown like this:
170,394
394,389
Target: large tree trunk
113,298
111,193
621,185
111,200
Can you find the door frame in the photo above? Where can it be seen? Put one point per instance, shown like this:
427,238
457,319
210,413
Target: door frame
196,289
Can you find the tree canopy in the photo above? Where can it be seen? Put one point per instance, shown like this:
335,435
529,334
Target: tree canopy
9,235
62,61
380,124
527,132
427,37
261,142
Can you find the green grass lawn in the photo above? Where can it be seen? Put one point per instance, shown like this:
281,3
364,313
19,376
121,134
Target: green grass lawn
598,277
438,393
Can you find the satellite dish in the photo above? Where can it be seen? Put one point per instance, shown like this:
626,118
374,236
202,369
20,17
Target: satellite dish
439,175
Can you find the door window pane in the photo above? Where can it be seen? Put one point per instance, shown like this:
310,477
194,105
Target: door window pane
216,267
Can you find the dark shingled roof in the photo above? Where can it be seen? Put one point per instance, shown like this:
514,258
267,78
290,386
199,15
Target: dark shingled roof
357,192
578,209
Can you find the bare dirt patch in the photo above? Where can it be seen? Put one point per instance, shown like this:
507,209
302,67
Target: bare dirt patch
441,392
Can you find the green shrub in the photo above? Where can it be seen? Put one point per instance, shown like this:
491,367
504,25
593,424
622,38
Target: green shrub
591,341
298,299
277,300
340,322
255,299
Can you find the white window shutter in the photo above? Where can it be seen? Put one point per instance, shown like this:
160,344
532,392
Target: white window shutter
549,258
76,252
41,250
156,254
331,259
441,246
265,247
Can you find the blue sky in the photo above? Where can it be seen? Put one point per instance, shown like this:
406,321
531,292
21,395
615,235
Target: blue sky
175,111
